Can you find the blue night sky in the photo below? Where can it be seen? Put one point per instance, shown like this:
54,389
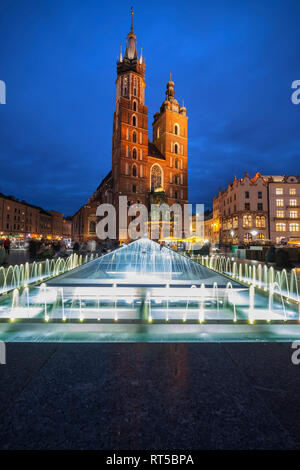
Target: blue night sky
232,61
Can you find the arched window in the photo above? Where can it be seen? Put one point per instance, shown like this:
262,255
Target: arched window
92,227
134,120
134,170
134,137
156,177
134,154
176,163
247,238
176,129
176,148
134,106
125,86
247,221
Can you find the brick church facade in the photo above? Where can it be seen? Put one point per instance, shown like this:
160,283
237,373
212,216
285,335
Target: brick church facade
144,171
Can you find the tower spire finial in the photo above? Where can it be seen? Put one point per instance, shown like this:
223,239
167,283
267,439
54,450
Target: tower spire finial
132,13
170,76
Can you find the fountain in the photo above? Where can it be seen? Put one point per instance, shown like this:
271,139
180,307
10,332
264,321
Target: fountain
144,290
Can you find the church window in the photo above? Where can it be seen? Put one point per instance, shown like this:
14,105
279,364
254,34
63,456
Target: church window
134,120
156,177
134,154
176,148
176,129
134,137
134,106
134,171
92,228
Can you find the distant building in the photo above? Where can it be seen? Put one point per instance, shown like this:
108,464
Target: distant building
258,209
20,219
284,207
146,172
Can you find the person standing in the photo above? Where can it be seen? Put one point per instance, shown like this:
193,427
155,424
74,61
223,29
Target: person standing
7,245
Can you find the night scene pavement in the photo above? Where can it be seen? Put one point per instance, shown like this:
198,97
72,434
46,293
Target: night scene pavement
162,396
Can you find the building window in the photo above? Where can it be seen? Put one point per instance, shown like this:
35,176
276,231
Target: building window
235,222
259,195
280,214
292,191
293,214
280,227
260,221
279,202
176,148
260,206
92,227
294,227
247,206
279,191
134,137
176,129
176,163
156,177
293,202
134,106
134,171
246,194
134,121
247,238
134,188
247,221
176,194
134,154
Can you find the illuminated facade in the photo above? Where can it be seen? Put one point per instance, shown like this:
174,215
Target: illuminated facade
258,209
22,220
144,171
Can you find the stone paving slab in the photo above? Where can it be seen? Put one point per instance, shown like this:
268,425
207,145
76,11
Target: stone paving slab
148,396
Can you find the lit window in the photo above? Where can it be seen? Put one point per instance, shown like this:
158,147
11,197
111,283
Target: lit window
279,191
280,214
292,191
280,227
279,202
235,222
293,214
294,227
293,202
247,221
260,221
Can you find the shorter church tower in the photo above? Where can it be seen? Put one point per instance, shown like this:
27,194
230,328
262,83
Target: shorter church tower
170,132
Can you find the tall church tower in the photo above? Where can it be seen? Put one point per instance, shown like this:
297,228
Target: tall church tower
130,126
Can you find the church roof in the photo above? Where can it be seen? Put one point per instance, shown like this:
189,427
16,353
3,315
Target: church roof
154,152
